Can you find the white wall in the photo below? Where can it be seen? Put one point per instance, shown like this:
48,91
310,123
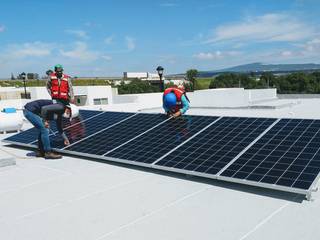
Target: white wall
98,92
224,97
91,91
145,100
39,93
256,95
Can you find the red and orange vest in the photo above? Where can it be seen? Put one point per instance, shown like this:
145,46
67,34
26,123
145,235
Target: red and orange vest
59,91
178,92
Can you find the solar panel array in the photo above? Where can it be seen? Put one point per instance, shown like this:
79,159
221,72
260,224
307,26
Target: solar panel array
288,155
158,141
281,154
212,150
30,136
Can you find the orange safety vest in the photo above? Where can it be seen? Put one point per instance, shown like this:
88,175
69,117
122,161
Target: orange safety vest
59,91
178,93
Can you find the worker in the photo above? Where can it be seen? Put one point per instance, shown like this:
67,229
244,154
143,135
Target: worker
59,86
39,113
175,101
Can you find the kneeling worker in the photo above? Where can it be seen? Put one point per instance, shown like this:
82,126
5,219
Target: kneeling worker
39,113
175,102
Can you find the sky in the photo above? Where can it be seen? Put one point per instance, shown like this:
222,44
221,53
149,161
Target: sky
108,37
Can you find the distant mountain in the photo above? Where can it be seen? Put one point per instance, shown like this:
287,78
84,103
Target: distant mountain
257,67
260,67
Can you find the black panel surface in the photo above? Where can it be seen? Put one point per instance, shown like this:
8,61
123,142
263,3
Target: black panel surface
81,130
160,140
108,139
288,155
31,135
214,148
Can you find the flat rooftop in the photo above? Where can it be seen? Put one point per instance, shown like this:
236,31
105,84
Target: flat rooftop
78,198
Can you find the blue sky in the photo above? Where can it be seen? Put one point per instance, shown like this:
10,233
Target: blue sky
106,38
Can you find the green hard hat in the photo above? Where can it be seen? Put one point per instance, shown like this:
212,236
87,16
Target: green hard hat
58,66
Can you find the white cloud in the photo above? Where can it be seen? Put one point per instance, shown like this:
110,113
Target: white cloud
80,52
2,28
34,49
215,55
312,45
109,40
265,28
286,53
106,57
131,45
78,33
168,4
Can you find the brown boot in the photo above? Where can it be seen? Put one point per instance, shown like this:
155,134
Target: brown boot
52,155
39,154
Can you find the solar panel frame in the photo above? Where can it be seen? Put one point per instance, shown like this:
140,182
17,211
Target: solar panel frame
226,123
292,189
85,120
122,136
217,176
90,128
148,147
34,132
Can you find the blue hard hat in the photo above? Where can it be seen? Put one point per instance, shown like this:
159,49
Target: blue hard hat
170,100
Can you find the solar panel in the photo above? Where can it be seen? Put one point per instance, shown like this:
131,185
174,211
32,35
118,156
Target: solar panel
110,138
30,136
280,154
286,156
84,129
214,148
157,142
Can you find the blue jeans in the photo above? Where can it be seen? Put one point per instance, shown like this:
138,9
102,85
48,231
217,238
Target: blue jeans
43,137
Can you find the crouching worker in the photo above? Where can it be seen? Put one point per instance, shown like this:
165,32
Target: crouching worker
175,101
39,113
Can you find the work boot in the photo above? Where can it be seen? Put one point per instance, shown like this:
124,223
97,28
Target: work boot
52,155
39,154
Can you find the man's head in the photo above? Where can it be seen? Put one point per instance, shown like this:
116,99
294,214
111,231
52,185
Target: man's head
181,87
59,70
71,111
170,100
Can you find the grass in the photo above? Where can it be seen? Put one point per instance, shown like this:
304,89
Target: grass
203,83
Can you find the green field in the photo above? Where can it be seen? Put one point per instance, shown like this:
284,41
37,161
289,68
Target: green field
203,83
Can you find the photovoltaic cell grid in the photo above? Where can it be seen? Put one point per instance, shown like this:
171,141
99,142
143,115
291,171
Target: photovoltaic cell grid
288,155
111,138
210,151
85,129
160,140
31,135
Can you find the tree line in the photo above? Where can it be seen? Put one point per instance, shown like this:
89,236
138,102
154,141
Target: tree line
299,82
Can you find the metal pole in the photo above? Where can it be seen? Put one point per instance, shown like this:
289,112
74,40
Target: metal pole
25,90
161,83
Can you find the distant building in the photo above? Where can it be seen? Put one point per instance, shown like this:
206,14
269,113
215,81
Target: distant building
32,76
141,75
153,78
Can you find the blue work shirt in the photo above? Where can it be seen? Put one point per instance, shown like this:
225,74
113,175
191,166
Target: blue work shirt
185,105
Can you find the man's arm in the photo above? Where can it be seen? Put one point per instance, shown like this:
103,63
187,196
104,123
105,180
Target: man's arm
60,130
185,104
48,110
49,86
71,94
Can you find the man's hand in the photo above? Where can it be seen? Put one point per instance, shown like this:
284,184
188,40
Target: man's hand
46,124
177,114
66,142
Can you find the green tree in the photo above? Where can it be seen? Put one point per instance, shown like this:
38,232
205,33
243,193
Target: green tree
191,76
